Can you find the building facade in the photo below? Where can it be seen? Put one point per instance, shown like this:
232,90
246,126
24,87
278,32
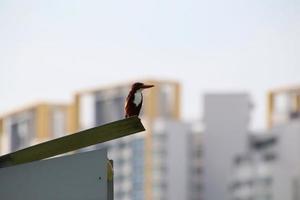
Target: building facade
240,164
253,171
226,119
287,169
145,163
33,124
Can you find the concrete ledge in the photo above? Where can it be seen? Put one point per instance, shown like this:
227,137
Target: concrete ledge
74,141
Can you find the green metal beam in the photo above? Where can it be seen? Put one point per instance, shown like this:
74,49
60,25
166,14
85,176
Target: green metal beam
74,141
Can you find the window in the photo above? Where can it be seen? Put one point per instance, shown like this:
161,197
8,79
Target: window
109,109
166,100
16,140
21,130
58,123
137,146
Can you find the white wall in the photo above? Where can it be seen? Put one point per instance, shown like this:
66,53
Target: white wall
287,168
226,118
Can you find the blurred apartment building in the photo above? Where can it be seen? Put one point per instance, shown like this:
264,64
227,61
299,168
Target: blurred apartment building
253,171
157,163
164,162
270,169
226,119
33,124
255,166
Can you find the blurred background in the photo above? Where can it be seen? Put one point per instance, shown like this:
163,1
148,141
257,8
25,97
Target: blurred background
222,121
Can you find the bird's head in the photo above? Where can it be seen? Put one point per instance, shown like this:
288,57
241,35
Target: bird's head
140,86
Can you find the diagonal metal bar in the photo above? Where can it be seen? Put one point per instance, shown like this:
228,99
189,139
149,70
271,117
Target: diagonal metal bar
74,141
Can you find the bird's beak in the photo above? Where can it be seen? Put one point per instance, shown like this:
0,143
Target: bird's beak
147,86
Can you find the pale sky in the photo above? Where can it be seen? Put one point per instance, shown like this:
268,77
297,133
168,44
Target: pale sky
50,49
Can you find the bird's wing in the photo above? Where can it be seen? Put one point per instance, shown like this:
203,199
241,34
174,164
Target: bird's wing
129,98
128,103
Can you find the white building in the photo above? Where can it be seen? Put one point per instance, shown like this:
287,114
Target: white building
253,171
287,169
226,119
174,172
242,165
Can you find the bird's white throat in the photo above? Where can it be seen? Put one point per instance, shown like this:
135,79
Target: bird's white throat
137,97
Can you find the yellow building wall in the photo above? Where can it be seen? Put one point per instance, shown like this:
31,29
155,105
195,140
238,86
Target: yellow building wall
42,121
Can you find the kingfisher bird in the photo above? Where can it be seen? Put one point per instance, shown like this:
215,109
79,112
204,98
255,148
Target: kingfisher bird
134,99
